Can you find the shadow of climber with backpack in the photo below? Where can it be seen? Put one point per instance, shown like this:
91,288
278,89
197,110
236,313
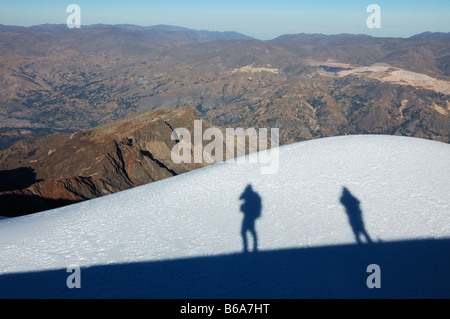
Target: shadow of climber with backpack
252,210
354,213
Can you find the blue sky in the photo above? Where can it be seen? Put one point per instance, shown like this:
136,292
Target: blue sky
262,19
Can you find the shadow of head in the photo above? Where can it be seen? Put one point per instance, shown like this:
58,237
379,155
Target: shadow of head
350,202
252,202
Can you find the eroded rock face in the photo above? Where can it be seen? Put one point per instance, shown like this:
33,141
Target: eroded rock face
45,172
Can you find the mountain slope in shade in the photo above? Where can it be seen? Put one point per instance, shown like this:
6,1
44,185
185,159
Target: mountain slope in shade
181,236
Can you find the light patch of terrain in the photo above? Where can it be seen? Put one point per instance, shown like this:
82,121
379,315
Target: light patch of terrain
440,109
386,73
252,69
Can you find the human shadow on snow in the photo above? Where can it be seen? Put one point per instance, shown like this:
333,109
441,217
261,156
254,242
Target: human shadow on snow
355,216
408,269
251,208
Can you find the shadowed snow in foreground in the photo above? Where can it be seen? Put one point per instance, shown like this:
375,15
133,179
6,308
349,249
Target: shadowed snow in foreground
409,269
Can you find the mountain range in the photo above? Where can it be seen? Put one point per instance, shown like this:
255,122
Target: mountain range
56,79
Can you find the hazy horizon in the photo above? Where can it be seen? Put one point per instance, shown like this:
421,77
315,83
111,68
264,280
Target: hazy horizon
262,20
207,30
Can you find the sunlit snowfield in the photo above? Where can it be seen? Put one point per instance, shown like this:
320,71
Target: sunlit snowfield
402,185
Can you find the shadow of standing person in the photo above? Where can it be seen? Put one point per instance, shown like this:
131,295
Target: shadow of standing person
252,210
354,213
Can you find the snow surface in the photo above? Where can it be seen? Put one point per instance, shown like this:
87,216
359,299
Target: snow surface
402,184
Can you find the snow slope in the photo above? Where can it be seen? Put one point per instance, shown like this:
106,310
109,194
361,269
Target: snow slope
402,184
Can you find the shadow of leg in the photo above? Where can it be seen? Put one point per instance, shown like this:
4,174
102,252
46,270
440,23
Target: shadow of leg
244,240
255,239
369,241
